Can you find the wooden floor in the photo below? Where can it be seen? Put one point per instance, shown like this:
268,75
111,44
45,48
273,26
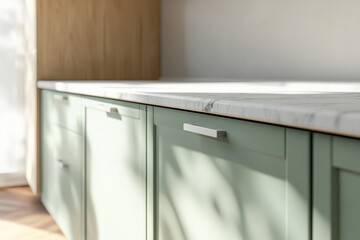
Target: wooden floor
23,217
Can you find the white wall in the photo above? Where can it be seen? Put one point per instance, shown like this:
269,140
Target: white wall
12,99
18,93
297,39
12,121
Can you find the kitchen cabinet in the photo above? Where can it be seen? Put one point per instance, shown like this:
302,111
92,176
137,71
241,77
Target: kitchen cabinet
62,162
336,179
219,178
120,170
115,144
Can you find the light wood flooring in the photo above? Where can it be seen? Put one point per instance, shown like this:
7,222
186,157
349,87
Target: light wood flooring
23,217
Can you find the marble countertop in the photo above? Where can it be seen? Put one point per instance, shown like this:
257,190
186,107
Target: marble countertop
320,106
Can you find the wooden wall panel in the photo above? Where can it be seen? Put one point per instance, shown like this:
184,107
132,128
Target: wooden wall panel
98,39
121,60
151,38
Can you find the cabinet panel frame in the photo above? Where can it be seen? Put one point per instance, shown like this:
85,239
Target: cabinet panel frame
298,159
334,157
129,110
298,186
325,189
150,176
62,128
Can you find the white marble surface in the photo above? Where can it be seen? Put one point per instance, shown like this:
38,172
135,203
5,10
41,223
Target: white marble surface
320,106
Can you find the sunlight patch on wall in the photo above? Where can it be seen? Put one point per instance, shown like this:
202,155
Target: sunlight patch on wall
12,122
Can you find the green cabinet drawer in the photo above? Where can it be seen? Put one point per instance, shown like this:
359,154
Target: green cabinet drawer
252,183
115,170
63,109
336,209
263,138
62,178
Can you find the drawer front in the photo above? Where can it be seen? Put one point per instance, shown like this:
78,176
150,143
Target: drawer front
259,137
62,178
62,109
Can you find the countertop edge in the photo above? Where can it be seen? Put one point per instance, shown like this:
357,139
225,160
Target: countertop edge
201,105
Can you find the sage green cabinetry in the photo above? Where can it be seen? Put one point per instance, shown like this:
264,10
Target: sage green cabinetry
253,183
115,144
336,208
62,109
62,161
120,170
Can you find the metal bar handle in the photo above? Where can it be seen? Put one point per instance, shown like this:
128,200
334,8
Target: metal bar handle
60,97
214,133
62,163
108,109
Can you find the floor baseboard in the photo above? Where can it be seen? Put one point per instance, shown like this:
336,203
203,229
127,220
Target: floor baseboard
12,179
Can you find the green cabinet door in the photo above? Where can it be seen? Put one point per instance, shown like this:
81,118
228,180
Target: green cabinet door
220,178
62,176
336,209
62,171
115,170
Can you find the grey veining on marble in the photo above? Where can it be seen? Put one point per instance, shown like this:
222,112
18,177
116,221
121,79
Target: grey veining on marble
320,106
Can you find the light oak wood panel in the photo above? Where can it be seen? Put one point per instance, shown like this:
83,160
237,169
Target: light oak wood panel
98,39
151,38
126,60
62,48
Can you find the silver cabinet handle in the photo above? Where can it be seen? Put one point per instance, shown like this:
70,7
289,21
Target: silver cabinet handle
214,133
62,164
107,109
60,97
